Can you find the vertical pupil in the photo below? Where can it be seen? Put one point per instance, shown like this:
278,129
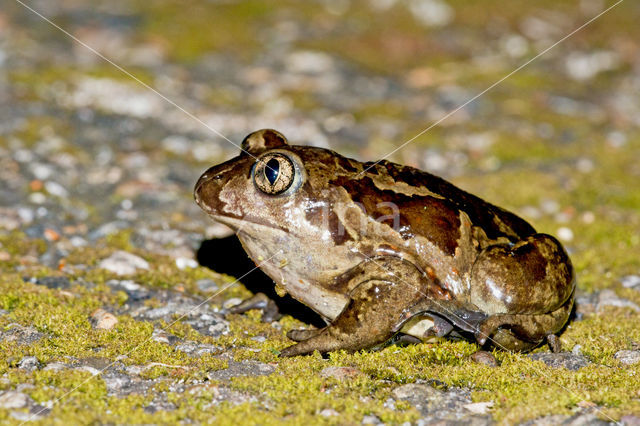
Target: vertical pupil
271,170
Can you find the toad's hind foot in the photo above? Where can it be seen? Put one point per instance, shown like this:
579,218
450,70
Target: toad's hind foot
524,332
303,334
260,302
554,343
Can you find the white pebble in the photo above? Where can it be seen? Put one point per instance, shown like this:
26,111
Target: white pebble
184,262
432,13
13,399
565,234
37,198
628,357
102,319
631,281
588,217
123,263
56,189
88,369
479,407
231,302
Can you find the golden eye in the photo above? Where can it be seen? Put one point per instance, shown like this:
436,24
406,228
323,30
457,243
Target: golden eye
274,174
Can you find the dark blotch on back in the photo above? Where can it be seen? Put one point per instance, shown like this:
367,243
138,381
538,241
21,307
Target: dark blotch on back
346,164
431,217
373,170
480,212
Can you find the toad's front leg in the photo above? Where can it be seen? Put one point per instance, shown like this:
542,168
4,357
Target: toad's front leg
381,291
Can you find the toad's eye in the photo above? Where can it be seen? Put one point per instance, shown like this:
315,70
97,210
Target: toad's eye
274,174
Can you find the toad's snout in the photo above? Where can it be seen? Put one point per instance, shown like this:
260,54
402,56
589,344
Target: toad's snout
208,187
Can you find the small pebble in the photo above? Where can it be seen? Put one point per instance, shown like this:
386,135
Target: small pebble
628,357
231,302
184,263
577,350
608,297
29,363
370,420
479,407
123,263
416,391
56,189
329,412
13,399
566,360
565,234
55,366
51,235
160,336
631,281
206,285
630,420
484,357
94,371
340,373
102,320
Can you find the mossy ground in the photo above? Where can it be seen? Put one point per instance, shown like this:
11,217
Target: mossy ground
520,388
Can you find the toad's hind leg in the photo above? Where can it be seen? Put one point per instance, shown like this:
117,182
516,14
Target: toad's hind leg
381,290
524,332
533,276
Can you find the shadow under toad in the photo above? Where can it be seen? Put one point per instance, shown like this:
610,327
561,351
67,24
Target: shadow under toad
226,255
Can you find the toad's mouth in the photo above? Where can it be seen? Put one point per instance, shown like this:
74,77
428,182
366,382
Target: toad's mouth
247,225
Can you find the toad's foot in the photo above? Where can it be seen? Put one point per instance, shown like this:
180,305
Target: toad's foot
261,302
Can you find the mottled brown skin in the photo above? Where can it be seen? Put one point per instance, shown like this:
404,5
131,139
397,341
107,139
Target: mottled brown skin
378,249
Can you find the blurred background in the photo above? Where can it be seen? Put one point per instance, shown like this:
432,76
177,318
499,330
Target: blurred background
87,150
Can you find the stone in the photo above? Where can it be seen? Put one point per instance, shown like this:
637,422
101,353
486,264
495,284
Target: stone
630,420
197,349
567,360
341,373
55,283
93,371
631,281
134,290
161,336
207,285
123,263
13,399
479,407
328,412
416,391
484,357
609,297
185,262
55,366
20,334
628,357
29,363
102,320
242,368
371,420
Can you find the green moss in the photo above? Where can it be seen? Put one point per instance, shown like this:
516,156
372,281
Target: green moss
190,29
